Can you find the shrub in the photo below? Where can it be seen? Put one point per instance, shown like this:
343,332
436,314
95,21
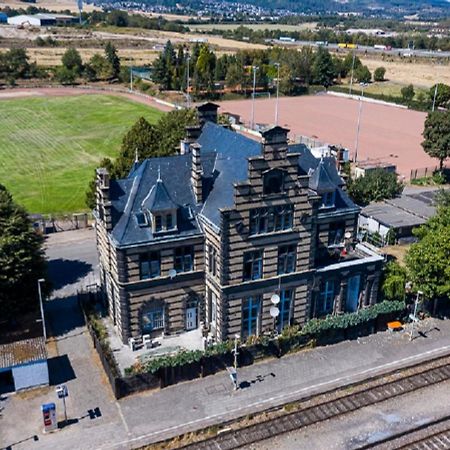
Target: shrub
379,74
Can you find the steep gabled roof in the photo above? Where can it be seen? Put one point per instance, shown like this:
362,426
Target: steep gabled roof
320,180
158,199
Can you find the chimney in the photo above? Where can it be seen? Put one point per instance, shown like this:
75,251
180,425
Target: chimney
103,207
196,172
192,134
207,112
275,142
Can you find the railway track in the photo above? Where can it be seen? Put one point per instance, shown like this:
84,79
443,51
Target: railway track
366,394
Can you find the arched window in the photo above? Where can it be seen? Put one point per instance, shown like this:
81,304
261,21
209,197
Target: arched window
273,182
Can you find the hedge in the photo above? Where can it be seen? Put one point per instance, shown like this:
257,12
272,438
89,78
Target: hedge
290,338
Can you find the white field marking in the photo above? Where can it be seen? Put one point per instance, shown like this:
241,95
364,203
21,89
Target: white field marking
283,396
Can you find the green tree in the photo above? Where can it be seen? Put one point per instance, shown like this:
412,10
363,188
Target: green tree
99,66
379,73
14,64
113,59
442,94
323,68
22,260
377,185
71,60
427,260
235,76
348,63
117,18
90,198
65,75
393,281
436,135
408,93
205,69
362,74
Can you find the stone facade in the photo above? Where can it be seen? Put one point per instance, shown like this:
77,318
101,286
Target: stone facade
282,231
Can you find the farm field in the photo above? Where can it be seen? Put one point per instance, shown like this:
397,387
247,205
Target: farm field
257,26
50,146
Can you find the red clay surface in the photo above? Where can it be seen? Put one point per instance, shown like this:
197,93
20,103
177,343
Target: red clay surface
387,133
61,91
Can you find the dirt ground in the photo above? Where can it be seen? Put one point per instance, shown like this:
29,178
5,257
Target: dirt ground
416,73
387,133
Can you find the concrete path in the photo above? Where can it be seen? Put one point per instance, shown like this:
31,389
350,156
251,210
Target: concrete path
152,416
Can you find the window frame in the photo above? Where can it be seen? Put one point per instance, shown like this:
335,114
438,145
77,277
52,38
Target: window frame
160,321
181,256
251,321
326,298
328,200
251,260
271,219
149,258
287,256
285,316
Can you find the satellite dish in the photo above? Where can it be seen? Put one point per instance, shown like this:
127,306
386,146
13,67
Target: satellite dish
275,299
348,235
172,273
274,311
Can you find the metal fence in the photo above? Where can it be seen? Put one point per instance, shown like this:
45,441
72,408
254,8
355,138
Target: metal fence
425,172
47,224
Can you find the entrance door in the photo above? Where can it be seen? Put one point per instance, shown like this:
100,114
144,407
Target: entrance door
191,318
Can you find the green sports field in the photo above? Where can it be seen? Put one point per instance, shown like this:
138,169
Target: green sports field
49,147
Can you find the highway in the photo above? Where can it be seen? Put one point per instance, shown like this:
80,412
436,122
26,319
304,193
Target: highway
363,49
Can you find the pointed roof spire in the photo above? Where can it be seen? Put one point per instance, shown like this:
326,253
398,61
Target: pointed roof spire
320,180
136,156
159,173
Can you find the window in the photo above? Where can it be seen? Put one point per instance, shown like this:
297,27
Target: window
212,260
336,234
268,220
184,259
353,290
326,297
328,199
286,259
158,223
273,182
141,219
152,320
284,318
253,265
150,265
169,222
251,309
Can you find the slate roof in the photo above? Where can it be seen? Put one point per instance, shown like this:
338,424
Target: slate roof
22,352
224,160
391,216
158,198
128,194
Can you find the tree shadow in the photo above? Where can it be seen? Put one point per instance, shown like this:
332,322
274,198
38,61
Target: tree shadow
63,315
63,272
60,370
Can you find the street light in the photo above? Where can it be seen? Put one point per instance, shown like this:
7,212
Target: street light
363,85
278,92
351,77
252,124
434,97
131,78
234,375
41,305
413,316
188,97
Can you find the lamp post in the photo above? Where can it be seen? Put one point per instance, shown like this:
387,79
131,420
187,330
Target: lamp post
351,76
278,92
41,305
358,126
188,97
413,316
235,351
434,97
131,78
252,124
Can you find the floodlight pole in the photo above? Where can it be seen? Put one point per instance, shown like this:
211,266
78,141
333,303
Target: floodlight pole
252,124
188,97
358,126
41,305
278,93
131,78
434,97
351,77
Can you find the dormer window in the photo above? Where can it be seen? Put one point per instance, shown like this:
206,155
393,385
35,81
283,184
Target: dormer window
328,199
273,182
164,221
141,219
169,224
158,223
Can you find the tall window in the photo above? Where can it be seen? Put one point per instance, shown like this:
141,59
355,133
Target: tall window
169,222
153,320
150,265
284,318
336,234
271,219
251,311
328,199
326,298
286,259
253,265
273,182
212,260
158,223
184,259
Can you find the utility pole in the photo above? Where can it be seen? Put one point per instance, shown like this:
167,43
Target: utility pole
359,121
278,93
252,124
41,305
434,97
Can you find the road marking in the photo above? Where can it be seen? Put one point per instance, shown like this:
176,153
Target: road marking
123,418
281,396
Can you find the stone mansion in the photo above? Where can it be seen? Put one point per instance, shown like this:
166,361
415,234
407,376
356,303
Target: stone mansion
208,236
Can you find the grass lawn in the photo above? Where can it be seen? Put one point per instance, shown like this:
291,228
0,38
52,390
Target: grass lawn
49,147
